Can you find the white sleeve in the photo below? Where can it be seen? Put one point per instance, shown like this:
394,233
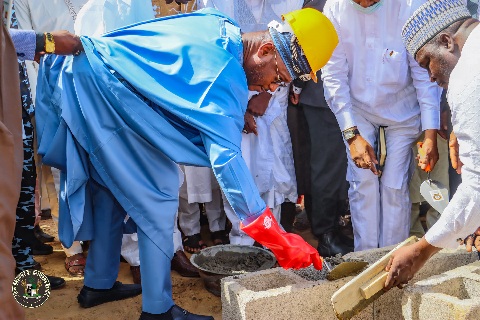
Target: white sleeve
460,218
335,80
89,20
428,95
462,215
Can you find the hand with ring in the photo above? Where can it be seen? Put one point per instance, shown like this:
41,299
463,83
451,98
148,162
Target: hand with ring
473,241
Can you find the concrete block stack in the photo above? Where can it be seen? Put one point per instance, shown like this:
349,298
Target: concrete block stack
453,295
281,294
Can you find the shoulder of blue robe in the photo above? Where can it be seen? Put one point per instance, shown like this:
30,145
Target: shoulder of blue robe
189,65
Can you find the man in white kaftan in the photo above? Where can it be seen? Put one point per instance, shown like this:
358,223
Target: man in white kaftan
445,40
371,81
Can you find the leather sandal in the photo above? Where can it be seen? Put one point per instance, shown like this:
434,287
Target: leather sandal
75,265
219,237
193,243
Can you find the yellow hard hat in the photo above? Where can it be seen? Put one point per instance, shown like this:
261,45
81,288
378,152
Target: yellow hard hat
316,35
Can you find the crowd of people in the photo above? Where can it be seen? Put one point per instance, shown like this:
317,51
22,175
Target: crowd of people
127,129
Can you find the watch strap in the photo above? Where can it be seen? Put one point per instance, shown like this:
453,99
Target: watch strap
39,42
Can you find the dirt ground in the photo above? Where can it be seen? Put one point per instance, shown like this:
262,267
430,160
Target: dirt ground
188,293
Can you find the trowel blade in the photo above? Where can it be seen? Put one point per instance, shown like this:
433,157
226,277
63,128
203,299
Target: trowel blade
345,269
435,193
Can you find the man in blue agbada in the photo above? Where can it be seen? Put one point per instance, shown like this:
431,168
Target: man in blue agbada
117,119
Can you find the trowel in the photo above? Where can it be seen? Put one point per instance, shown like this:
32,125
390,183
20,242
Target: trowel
365,288
343,269
434,192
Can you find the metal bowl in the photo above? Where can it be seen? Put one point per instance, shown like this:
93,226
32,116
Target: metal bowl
211,278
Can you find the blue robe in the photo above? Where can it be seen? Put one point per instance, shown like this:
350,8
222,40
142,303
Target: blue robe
169,89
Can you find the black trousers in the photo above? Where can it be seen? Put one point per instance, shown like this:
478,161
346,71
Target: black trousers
326,194
298,127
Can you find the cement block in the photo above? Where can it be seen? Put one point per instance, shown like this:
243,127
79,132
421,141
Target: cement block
389,306
281,294
276,294
453,295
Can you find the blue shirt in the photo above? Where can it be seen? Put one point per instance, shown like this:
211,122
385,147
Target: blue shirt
175,84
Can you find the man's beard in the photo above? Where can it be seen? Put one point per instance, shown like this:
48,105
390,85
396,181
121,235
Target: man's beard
446,71
255,74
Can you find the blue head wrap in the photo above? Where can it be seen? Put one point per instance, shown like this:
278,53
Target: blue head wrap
292,54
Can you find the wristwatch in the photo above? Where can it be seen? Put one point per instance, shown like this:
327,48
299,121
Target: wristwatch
49,43
350,133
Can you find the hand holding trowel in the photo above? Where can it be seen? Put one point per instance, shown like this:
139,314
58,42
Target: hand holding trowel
434,192
363,289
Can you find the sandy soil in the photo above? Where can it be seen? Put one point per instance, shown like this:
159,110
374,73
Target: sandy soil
189,293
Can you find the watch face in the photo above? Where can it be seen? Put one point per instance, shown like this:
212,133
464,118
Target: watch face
49,47
348,135
49,43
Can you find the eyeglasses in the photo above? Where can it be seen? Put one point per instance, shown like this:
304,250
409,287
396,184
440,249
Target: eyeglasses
279,80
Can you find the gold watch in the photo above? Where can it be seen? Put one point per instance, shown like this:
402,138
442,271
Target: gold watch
49,43
350,133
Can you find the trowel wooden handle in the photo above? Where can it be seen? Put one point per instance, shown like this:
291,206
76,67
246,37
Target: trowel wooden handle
373,286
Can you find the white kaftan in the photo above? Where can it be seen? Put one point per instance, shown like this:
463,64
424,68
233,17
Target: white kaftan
200,186
462,215
372,81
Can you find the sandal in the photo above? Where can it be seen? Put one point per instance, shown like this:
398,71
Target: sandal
219,237
75,265
193,243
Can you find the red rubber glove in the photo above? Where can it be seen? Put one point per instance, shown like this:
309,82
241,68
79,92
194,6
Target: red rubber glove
290,249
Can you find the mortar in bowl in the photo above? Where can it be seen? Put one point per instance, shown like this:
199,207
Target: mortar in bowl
217,262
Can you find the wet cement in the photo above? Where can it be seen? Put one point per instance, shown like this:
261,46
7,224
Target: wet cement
225,262
312,274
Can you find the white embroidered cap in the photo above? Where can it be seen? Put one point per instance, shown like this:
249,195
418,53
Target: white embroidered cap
428,20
